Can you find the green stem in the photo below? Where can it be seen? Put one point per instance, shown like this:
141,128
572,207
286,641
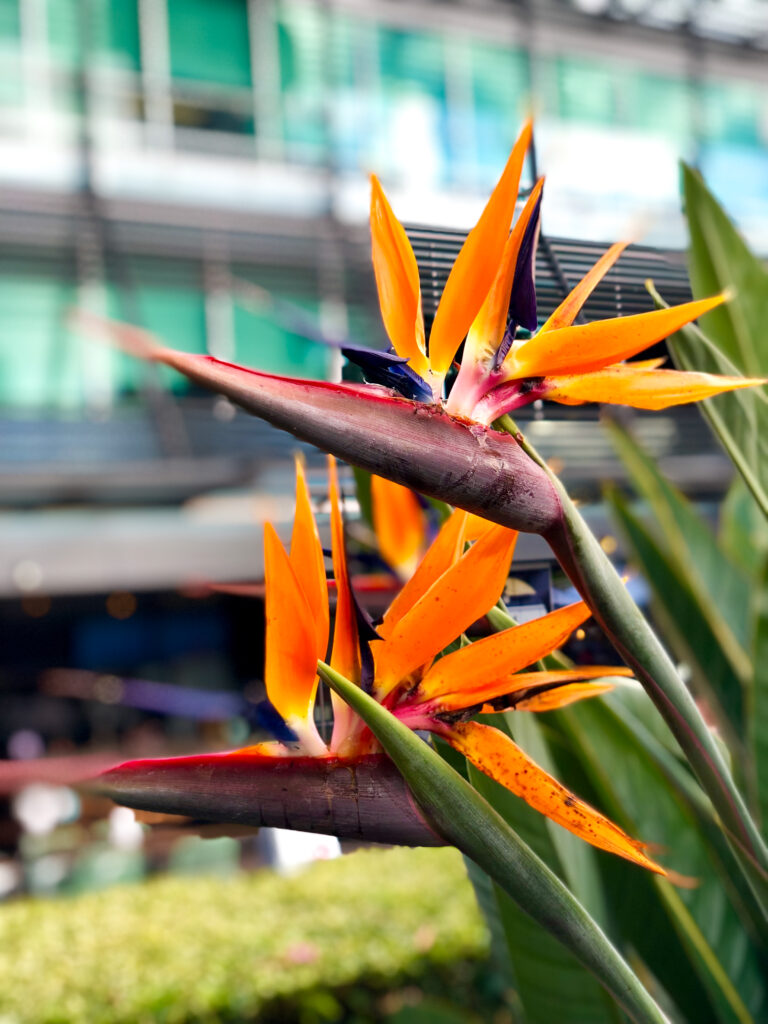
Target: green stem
592,572
465,819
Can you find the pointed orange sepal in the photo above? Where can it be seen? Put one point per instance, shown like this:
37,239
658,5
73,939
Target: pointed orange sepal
399,524
557,680
345,655
475,268
562,696
586,347
482,671
568,309
442,553
308,562
499,757
457,599
631,384
290,667
397,280
487,330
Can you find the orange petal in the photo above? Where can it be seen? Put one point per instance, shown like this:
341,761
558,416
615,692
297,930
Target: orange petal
308,562
489,325
399,524
592,346
397,279
561,676
475,527
290,665
475,268
562,696
442,553
345,656
566,312
459,597
641,388
497,756
480,672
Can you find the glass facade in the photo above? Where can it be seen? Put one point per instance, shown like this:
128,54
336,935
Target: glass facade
302,85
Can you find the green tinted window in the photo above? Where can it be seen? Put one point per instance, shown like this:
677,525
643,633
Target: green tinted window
657,103
109,29
264,345
9,19
175,313
731,112
209,41
412,62
301,30
585,91
64,31
500,91
119,32
39,362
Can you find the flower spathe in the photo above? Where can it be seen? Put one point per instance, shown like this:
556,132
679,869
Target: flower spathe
461,576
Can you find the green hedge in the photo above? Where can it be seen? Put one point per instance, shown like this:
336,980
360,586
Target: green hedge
322,946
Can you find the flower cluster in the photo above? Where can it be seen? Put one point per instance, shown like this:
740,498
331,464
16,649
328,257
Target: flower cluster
490,295
417,662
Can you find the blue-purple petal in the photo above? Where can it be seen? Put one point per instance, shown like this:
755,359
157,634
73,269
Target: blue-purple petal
390,370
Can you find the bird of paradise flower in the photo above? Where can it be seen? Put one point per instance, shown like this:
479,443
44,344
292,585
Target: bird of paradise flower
490,294
403,664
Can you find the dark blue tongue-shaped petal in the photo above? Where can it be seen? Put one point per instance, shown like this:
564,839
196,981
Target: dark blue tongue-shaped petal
266,716
522,302
389,369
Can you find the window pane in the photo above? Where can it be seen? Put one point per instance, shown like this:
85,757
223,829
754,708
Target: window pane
263,345
585,91
500,91
9,19
38,361
301,30
731,112
209,41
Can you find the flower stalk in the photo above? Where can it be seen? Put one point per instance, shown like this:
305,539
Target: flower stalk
465,819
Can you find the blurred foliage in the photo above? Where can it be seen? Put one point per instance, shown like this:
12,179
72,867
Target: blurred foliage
258,946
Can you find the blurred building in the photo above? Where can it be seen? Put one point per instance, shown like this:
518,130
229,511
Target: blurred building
169,162
150,150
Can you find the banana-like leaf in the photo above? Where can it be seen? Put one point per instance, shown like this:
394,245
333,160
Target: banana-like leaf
677,610
729,970
719,259
733,337
460,814
691,546
743,533
552,985
759,720
639,718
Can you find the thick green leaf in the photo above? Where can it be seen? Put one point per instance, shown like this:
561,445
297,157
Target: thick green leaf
461,815
634,790
743,531
677,610
734,338
639,717
720,259
759,718
721,589
552,984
